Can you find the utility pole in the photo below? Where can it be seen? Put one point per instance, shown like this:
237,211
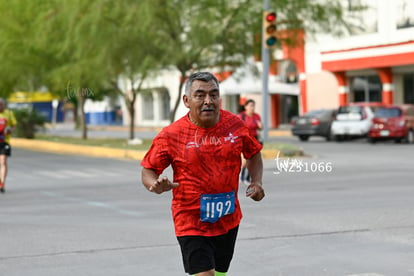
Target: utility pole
265,80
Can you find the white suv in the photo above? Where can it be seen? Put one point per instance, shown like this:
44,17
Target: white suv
353,120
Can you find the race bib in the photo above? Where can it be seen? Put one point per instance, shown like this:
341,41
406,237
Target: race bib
215,206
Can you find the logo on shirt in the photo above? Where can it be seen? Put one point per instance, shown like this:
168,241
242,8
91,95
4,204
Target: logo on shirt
192,145
210,140
230,138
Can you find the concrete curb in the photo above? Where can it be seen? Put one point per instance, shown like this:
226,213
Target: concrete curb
91,151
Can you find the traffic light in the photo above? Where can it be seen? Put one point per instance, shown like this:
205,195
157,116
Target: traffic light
269,29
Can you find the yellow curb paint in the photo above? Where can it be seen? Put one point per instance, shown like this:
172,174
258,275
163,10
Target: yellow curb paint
62,148
273,133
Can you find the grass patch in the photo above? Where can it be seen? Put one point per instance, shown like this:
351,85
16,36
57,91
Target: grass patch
285,149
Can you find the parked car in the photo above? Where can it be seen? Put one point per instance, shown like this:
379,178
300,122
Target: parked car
313,123
353,120
393,122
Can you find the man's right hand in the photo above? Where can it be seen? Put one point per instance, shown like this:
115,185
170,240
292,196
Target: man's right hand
162,185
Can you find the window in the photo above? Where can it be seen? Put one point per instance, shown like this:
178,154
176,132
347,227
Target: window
362,22
405,16
367,89
165,106
147,106
408,81
388,112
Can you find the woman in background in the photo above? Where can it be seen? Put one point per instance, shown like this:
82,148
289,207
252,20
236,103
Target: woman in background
253,122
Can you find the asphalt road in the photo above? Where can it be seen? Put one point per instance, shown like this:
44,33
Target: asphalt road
348,209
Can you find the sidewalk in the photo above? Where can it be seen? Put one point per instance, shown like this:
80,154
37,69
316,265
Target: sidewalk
107,132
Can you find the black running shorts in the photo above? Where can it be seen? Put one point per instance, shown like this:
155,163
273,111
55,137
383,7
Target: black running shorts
5,149
205,253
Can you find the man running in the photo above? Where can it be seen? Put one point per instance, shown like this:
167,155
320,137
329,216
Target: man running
7,126
204,149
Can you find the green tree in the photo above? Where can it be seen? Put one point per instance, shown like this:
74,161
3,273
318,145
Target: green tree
104,41
200,34
54,44
78,49
130,52
72,36
203,34
82,48
23,63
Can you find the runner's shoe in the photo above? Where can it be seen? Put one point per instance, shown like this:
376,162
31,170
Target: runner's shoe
2,190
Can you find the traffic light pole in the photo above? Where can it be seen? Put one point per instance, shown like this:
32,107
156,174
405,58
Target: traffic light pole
265,82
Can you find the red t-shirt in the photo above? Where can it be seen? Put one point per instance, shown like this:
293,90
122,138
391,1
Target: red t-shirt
251,122
204,161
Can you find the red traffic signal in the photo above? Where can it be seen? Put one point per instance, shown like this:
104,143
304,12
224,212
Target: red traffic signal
269,29
271,17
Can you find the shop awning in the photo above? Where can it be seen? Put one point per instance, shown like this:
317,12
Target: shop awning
247,80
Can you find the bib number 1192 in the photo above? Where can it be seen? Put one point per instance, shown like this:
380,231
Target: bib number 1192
215,206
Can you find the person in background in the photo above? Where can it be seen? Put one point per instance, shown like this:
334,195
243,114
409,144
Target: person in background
204,149
7,126
253,122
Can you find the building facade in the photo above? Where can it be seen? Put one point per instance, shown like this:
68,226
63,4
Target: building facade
375,63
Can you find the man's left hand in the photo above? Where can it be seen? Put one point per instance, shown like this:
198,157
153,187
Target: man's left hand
255,191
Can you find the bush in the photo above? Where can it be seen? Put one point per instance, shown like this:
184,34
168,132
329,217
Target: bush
28,122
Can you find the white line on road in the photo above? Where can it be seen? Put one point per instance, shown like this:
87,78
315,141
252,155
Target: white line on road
68,174
51,174
367,274
94,203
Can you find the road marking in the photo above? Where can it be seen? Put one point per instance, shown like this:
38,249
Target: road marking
105,172
94,204
51,174
88,173
367,274
73,173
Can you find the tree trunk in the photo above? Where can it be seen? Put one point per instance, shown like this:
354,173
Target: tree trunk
177,102
81,100
132,124
130,103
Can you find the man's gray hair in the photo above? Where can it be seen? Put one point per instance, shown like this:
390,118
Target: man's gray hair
203,76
